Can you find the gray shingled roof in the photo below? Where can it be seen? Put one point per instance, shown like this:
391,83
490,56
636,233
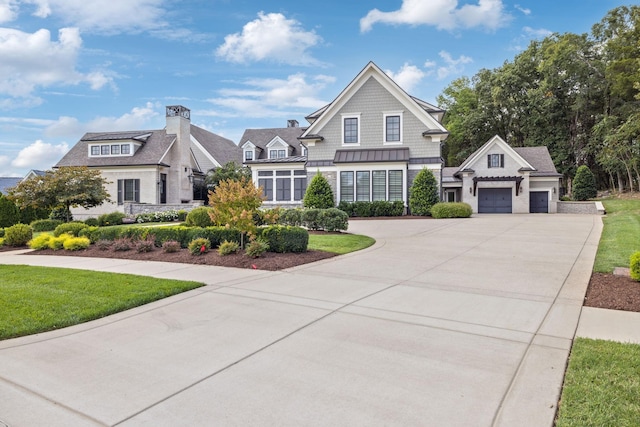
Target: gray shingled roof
539,158
372,155
8,182
155,144
222,149
261,137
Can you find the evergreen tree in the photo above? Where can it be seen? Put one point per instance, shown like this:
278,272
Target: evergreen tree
9,213
584,184
423,193
319,194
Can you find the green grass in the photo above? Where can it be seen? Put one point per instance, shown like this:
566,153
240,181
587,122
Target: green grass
602,385
38,299
620,235
339,243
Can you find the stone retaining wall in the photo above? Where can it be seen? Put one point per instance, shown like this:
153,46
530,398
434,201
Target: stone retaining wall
578,208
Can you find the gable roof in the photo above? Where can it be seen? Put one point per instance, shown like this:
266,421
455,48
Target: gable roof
428,114
154,146
496,140
262,137
6,182
540,159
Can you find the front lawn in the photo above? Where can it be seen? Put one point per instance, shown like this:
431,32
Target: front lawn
620,235
601,386
339,243
38,299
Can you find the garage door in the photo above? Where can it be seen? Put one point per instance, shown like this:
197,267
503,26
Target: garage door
539,202
494,200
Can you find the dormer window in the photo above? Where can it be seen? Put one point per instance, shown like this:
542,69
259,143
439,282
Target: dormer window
277,153
248,155
110,150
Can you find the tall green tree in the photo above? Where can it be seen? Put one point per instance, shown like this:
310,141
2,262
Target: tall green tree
230,170
319,194
65,187
423,193
9,213
584,184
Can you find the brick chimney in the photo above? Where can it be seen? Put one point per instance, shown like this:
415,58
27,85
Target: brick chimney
179,124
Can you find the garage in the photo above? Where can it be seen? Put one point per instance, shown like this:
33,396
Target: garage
539,202
494,200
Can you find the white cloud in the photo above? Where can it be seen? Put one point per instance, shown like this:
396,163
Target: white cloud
270,37
452,66
39,155
269,97
8,10
31,60
442,14
137,118
408,76
104,16
536,33
524,10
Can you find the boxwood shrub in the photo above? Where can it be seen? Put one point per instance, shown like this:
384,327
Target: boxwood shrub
291,217
634,266
199,217
333,219
451,210
72,228
284,238
372,209
45,225
113,218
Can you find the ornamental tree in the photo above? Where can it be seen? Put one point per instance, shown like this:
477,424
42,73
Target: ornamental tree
234,203
319,194
584,184
423,193
66,187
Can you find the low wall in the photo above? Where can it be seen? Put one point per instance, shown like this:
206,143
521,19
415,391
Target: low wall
578,208
138,208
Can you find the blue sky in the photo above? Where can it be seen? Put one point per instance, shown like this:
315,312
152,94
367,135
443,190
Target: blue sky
72,66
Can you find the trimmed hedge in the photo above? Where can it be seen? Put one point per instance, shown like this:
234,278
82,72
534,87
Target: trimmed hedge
45,225
199,217
333,219
451,210
72,228
113,218
372,209
283,238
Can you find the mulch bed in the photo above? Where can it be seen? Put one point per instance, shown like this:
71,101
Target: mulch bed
613,292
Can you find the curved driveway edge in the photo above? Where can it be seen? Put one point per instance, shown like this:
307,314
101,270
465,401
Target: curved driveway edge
441,322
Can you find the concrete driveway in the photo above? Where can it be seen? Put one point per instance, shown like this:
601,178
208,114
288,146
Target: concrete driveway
441,323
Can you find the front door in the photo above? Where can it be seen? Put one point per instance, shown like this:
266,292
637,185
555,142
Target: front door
163,188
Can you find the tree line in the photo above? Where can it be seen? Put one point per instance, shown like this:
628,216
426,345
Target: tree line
577,94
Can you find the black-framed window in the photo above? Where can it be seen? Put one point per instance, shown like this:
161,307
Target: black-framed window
128,190
267,187
495,160
362,186
379,185
392,128
299,188
248,155
395,185
346,186
283,189
350,130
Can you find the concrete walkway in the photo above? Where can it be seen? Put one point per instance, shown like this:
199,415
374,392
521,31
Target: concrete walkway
441,322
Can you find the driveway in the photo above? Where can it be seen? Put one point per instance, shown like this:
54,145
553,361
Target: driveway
440,323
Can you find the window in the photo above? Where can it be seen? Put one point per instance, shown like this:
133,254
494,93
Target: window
128,190
104,150
115,149
362,186
95,150
346,186
248,155
395,185
350,130
267,187
299,187
277,154
379,185
110,150
125,149
451,196
283,189
495,161
392,128
277,185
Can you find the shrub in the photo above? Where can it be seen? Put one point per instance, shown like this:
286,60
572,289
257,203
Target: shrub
76,243
199,217
17,235
113,218
256,248
1,242
1,232
584,184
61,213
72,228
101,233
122,244
291,217
267,216
228,248
9,212
634,266
41,242
451,210
319,194
182,215
146,245
311,218
199,246
283,239
177,233
215,234
423,193
28,214
57,243
104,245
333,219
45,225
171,246
92,222
163,216
373,209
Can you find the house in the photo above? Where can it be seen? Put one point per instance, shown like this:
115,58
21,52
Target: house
151,167
7,182
369,143
498,178
277,160
34,173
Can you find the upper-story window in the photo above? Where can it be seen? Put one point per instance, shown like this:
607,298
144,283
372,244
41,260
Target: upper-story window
495,161
104,150
351,129
277,153
393,127
248,155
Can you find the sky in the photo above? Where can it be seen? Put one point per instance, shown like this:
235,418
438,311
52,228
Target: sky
73,66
